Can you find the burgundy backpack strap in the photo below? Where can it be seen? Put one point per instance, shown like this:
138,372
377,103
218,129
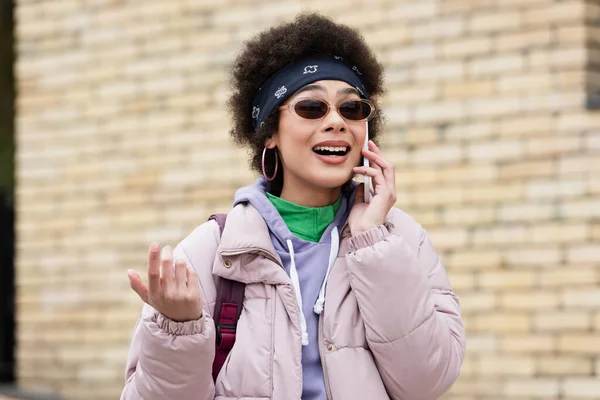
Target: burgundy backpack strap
228,307
227,312
221,219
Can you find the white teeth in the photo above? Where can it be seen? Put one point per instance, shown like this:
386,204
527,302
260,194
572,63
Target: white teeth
327,148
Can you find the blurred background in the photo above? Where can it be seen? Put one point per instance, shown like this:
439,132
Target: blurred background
113,112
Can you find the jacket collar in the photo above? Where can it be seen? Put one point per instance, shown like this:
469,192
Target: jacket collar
244,242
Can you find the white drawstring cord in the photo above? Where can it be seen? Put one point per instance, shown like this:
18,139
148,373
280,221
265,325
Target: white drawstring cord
296,283
335,246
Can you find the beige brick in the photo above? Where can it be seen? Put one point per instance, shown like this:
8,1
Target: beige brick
531,211
411,176
413,11
528,343
578,164
503,323
581,298
525,126
529,301
467,89
575,121
495,65
579,344
462,282
507,280
574,34
478,302
483,344
533,387
534,256
585,388
439,112
579,208
596,321
564,57
470,216
411,94
506,366
446,70
555,189
494,107
440,28
569,11
552,145
587,253
560,233
475,260
499,235
563,366
522,40
439,196
464,6
525,82
592,12
557,321
595,231
411,54
495,21
495,150
449,238
571,275
467,47
398,116
592,141
492,194
477,387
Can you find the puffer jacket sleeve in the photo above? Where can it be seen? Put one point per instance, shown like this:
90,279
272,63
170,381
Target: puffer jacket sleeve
173,360
411,315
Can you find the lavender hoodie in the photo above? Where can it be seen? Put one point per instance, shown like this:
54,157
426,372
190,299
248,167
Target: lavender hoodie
312,261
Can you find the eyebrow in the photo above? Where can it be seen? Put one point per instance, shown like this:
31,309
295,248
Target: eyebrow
346,90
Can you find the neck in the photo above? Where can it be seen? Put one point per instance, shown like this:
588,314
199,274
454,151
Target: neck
308,195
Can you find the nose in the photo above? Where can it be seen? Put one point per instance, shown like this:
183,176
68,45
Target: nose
334,122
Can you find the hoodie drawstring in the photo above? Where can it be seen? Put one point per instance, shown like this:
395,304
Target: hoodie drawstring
335,247
296,283
318,307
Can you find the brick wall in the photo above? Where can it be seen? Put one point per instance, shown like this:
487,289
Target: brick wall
122,140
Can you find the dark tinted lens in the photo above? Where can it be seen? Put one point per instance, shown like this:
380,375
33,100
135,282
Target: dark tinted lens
355,110
311,109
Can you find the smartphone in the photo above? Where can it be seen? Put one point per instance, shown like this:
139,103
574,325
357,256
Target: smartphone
367,180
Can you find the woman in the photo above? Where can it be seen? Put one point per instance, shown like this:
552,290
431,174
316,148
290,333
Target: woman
345,297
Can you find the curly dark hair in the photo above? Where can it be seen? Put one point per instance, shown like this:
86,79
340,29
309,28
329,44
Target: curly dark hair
310,34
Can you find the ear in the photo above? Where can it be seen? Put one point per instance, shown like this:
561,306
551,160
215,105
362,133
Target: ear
271,142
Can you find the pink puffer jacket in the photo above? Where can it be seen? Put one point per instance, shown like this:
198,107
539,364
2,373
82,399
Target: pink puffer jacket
391,327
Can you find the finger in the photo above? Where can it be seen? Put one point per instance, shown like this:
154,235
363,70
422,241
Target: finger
375,174
373,147
166,266
135,281
377,159
192,280
154,266
181,274
387,168
369,155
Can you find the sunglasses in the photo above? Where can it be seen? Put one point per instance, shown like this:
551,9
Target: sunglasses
352,110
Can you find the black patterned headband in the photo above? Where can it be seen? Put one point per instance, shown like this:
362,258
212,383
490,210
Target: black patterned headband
289,79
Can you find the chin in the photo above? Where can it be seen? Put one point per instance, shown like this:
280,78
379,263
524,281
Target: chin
330,180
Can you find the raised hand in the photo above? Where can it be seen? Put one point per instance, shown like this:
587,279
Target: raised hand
366,216
172,291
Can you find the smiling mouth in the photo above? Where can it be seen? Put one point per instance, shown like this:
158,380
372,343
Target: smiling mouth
331,151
